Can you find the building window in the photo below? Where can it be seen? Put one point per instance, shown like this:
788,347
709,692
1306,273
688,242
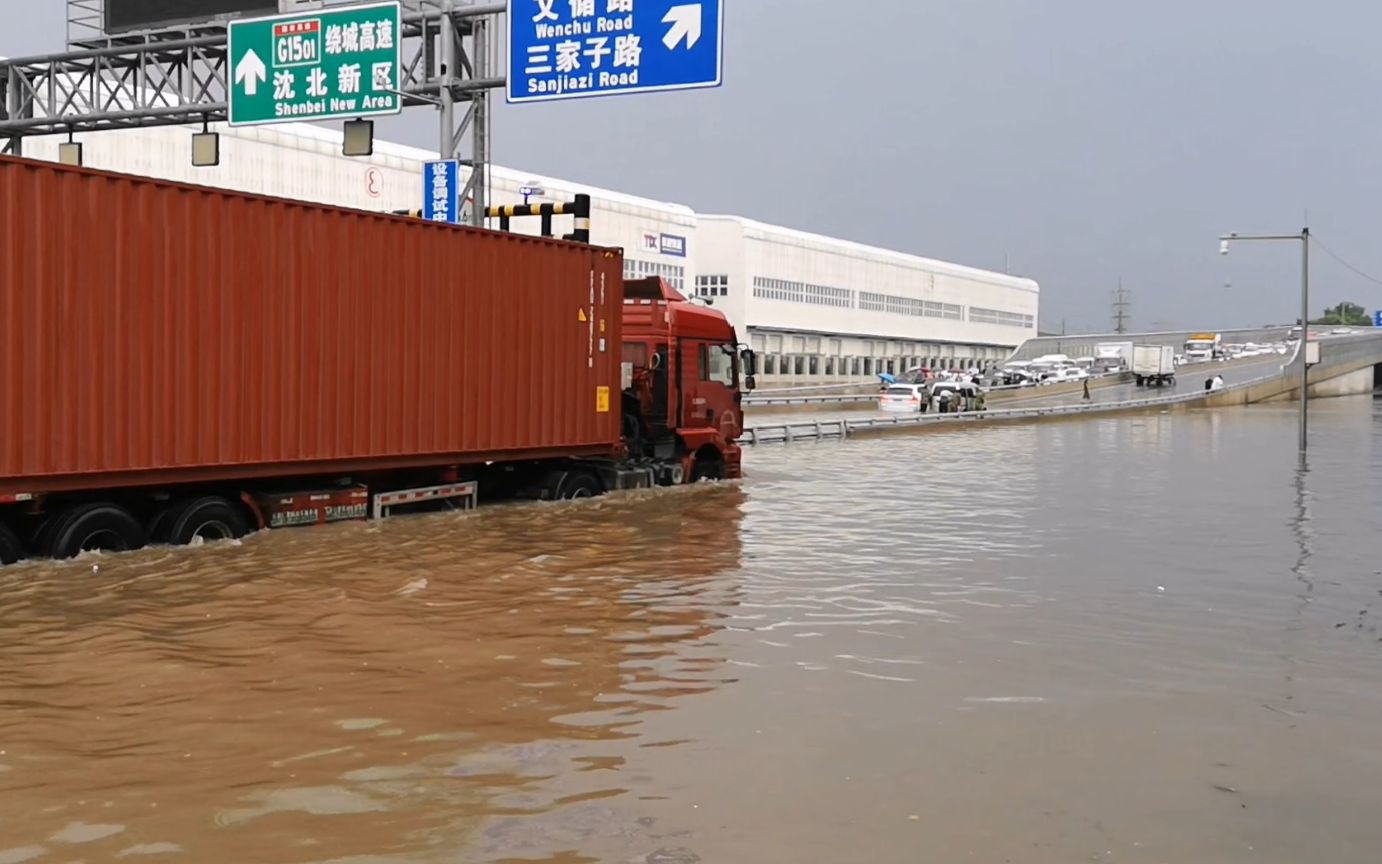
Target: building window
1004,319
895,305
636,269
798,366
712,286
801,292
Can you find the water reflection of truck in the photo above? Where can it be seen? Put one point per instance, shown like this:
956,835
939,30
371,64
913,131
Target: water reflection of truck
193,363
1203,347
1153,365
1112,357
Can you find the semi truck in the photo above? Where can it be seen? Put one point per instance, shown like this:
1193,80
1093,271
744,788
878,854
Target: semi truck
1203,347
180,362
1153,365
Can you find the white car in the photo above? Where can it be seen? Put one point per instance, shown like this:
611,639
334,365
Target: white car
903,399
1065,376
1341,331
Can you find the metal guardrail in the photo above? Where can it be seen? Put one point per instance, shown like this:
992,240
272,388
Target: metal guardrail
816,388
762,400
829,399
1082,344
786,433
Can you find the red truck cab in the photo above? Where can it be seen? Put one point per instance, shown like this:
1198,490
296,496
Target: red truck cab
684,375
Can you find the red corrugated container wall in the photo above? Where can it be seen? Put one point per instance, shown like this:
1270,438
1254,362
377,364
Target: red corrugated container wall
153,332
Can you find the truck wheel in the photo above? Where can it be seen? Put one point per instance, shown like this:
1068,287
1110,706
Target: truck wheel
576,485
11,550
101,525
209,518
708,466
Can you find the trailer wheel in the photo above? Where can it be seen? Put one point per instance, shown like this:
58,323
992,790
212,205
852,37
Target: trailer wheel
11,550
157,528
576,485
209,518
101,525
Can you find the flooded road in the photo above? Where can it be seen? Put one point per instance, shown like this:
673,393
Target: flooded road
1189,379
1134,639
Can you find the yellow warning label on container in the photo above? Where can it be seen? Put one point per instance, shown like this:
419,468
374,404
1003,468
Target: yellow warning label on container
602,400
581,316
602,325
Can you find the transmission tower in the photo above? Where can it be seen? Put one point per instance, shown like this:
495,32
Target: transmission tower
1122,303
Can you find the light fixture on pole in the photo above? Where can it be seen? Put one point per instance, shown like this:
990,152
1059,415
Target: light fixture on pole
70,151
1302,350
206,147
359,138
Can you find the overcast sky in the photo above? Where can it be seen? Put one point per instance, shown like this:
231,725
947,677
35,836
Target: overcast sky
1079,141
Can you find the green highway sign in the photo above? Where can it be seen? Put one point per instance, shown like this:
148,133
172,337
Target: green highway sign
336,63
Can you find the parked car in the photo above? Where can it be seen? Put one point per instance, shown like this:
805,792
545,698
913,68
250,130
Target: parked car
904,399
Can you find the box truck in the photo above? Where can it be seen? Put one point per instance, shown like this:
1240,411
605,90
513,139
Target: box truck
179,362
1112,357
1153,365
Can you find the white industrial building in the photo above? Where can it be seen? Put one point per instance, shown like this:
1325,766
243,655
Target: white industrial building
817,309
820,308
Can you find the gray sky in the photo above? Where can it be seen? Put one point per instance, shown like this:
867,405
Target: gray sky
1081,140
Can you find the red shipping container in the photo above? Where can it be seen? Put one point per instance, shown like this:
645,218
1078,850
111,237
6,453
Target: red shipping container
153,332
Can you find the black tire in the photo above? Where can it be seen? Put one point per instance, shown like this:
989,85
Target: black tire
707,468
11,549
211,518
157,528
575,485
100,525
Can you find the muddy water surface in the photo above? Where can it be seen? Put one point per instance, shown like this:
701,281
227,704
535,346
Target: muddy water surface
1133,639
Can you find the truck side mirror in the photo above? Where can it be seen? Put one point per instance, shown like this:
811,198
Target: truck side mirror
750,383
750,362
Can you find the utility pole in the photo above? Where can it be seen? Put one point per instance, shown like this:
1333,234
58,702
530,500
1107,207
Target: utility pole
1303,346
1122,302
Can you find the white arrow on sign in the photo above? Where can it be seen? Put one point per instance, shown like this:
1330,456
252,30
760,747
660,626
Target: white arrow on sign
250,71
685,21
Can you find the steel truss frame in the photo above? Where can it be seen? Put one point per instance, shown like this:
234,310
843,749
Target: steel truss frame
181,77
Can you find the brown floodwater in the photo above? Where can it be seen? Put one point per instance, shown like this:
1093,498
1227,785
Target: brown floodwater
1146,639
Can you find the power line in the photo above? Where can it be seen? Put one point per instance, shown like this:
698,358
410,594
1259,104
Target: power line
1347,266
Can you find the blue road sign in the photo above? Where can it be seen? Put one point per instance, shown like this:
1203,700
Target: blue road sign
1377,319
570,49
441,191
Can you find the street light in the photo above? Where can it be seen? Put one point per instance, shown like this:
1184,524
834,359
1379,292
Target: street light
1301,351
